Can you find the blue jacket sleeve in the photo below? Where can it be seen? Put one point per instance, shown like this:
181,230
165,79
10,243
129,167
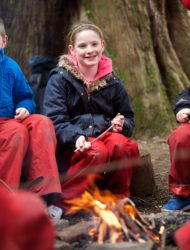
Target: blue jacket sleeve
22,93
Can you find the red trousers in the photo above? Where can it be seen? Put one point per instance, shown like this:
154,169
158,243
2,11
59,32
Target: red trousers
111,147
32,141
179,173
182,237
24,223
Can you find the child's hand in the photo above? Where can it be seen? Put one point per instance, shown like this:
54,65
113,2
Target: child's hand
117,123
21,113
81,144
183,115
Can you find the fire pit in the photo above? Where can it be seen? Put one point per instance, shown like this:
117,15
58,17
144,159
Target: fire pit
120,225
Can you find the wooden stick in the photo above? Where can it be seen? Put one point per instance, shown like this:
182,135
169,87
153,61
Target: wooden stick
6,185
102,232
95,139
108,129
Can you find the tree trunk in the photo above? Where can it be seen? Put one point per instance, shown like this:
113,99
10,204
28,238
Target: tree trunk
178,27
147,54
173,76
148,41
37,27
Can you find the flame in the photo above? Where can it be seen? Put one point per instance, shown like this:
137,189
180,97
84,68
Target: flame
119,218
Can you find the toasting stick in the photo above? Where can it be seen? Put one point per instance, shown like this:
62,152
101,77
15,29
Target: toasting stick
95,139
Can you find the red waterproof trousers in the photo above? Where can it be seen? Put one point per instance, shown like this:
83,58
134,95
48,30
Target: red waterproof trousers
121,152
179,173
182,237
24,222
32,139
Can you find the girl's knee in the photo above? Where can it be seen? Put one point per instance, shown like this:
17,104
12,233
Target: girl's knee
99,151
18,134
180,134
40,119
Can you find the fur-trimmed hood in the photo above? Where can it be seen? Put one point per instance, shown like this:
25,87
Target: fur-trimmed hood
104,71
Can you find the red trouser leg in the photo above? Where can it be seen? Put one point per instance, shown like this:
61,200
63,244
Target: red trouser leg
24,223
110,146
40,158
179,173
121,149
182,237
13,146
83,165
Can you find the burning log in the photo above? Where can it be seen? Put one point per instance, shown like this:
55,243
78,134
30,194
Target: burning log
119,219
73,233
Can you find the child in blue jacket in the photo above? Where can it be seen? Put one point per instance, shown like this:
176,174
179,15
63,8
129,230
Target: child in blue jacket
24,135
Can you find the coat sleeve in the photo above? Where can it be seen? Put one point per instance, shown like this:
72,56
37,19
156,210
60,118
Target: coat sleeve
122,105
55,107
22,93
182,101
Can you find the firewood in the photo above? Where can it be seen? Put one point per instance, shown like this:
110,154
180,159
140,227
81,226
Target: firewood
114,235
125,229
74,232
102,232
128,220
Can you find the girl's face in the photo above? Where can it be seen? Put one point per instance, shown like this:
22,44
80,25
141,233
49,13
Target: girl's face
88,48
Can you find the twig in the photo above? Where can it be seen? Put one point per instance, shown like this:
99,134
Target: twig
31,184
102,232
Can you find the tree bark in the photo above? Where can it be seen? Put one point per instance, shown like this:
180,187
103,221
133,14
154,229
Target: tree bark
148,41
173,76
37,27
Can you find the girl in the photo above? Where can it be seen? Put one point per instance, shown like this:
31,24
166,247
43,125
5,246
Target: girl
84,98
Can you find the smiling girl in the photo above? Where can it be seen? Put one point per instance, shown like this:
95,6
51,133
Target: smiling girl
84,98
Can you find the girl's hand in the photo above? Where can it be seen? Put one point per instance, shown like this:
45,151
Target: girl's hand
117,123
81,144
21,113
183,115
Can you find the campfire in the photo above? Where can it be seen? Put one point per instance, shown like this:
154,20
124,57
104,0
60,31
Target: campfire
119,221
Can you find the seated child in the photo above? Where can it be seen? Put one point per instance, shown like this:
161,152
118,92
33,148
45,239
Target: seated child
24,137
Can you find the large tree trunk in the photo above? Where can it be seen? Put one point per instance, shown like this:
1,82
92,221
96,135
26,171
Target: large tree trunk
178,22
148,41
173,76
148,56
37,27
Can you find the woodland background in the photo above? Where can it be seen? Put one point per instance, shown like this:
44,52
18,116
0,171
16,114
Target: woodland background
148,40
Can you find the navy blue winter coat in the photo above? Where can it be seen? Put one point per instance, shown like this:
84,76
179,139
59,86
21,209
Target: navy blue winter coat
76,112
